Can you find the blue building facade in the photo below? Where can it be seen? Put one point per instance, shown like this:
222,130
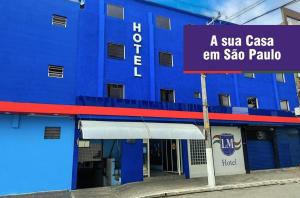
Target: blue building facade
77,44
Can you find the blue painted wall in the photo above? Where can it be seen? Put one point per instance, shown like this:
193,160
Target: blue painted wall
260,154
29,163
185,159
29,43
288,140
132,162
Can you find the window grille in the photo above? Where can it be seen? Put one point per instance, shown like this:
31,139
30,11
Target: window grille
59,20
198,152
55,71
52,133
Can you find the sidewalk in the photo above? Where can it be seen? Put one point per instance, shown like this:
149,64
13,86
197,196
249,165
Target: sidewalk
177,185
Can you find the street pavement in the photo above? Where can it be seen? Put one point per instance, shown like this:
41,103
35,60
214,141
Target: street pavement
276,191
263,184
160,185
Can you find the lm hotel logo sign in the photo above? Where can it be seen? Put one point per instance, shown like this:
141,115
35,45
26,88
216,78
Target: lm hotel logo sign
227,143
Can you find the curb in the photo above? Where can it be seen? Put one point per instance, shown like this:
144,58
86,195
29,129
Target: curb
220,188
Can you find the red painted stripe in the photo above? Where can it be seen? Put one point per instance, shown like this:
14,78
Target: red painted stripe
14,107
212,72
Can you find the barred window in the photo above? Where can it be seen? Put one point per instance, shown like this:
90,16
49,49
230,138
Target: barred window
198,152
59,20
55,71
52,133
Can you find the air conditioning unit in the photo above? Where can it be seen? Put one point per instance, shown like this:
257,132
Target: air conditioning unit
297,111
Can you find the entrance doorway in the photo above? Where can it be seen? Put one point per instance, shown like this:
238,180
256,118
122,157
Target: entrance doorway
165,157
90,164
98,163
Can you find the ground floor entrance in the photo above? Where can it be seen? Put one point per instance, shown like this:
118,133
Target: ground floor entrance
98,163
125,152
165,157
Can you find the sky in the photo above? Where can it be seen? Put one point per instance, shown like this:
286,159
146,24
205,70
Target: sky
229,8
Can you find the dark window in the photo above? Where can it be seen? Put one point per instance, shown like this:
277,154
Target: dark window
166,59
167,95
59,20
163,22
284,105
259,135
115,91
52,133
249,75
197,95
252,102
116,51
115,11
55,71
224,100
280,77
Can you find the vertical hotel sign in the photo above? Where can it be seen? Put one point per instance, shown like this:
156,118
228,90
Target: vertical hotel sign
137,44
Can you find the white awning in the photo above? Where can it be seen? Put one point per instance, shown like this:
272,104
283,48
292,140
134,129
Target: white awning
174,131
113,130
138,130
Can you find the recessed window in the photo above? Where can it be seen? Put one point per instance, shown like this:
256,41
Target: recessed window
197,95
55,71
52,133
166,59
115,91
167,95
116,51
284,105
249,75
280,77
163,22
224,100
83,143
115,11
252,102
59,20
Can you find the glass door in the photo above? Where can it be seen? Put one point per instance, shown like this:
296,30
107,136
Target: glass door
146,156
